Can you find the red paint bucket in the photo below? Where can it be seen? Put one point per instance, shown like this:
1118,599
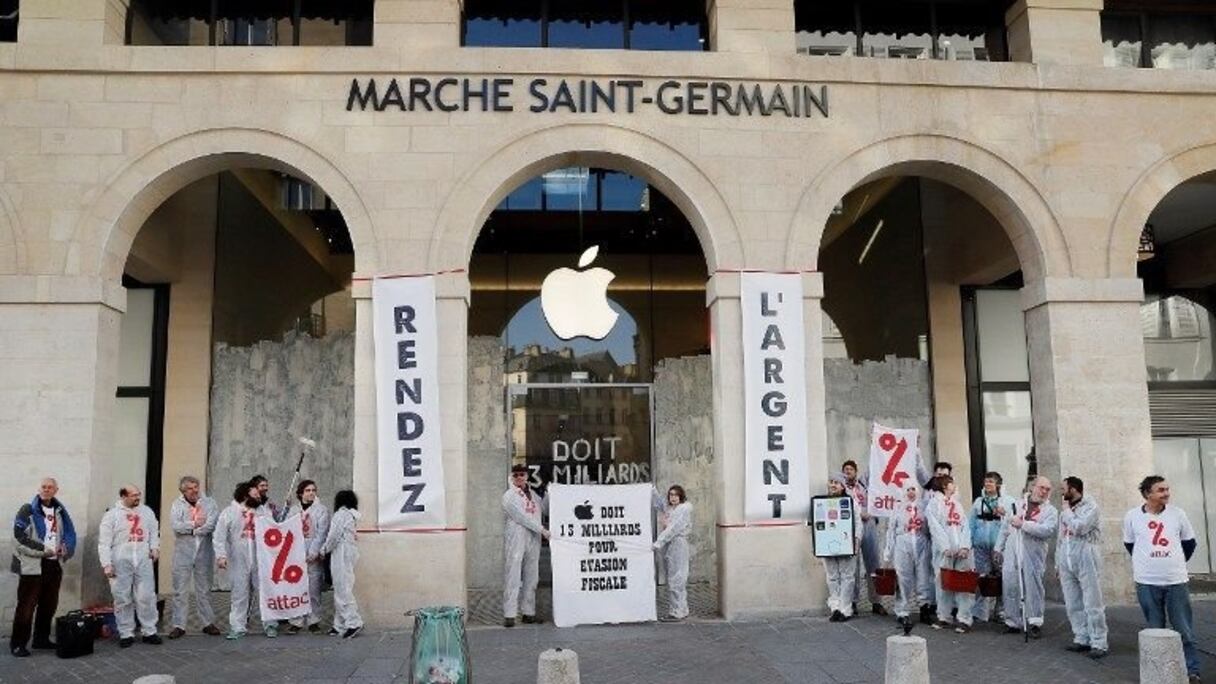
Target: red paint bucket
884,581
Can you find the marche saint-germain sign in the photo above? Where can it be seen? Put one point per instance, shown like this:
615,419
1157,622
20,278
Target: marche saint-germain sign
588,96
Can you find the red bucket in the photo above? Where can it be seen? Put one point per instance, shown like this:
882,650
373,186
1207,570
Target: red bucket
990,585
884,581
959,581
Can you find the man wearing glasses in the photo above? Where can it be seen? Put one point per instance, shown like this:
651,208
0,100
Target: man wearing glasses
522,532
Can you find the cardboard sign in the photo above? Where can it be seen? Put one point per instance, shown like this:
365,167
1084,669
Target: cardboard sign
893,457
833,526
282,562
410,489
603,560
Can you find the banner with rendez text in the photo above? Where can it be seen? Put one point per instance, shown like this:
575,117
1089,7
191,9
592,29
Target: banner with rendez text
282,578
603,560
776,480
410,490
894,454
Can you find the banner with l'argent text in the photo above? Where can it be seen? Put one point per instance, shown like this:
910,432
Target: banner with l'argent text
776,482
410,489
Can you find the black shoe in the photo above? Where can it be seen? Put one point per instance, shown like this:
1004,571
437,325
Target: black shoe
508,622
153,639
315,628
126,642
1035,631
1078,648
877,609
854,608
1193,679
333,632
941,624
906,623
928,615
836,616
1010,629
43,645
1098,653
352,632
293,629
532,620
20,652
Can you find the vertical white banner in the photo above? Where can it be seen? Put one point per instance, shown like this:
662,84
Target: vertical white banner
894,454
282,578
774,380
407,404
603,560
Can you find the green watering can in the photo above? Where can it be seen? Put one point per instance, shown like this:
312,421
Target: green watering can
440,653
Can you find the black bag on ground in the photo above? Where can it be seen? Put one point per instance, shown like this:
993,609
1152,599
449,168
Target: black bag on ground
74,634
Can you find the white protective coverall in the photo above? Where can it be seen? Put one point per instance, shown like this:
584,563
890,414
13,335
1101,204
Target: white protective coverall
950,532
521,537
903,549
1079,560
984,535
1024,559
673,541
127,538
315,520
234,540
193,557
344,555
869,537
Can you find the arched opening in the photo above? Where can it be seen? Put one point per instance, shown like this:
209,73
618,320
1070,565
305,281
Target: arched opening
238,337
588,329
1177,319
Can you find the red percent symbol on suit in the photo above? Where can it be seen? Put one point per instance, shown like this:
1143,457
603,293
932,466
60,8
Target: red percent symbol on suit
888,443
1158,529
283,542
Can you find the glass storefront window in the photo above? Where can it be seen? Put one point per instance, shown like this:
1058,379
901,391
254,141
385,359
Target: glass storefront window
1008,436
135,351
1178,344
1189,467
1002,336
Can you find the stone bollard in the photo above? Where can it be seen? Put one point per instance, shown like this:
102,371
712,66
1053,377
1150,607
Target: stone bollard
155,679
557,666
907,660
1161,660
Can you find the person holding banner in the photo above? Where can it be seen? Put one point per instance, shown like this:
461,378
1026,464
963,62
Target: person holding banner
128,545
522,532
314,517
903,549
841,570
951,547
344,555
1022,552
233,541
856,488
673,543
263,486
193,517
987,513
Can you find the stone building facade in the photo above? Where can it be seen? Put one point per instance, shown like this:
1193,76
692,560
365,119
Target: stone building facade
1067,155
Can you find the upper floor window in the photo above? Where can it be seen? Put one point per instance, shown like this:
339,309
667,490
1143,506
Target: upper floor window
8,21
1150,34
612,24
903,29
249,22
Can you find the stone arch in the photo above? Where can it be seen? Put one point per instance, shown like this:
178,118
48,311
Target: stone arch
11,260
495,176
993,182
1146,193
109,228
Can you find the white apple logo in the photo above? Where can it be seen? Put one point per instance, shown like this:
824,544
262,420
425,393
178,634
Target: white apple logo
575,303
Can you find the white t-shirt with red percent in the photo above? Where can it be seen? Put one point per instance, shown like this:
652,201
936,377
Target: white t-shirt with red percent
1157,556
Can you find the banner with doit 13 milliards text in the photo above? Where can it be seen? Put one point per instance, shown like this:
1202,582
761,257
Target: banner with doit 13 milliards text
603,560
282,573
407,404
894,454
774,380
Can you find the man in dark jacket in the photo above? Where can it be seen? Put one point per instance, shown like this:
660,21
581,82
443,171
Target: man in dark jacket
45,539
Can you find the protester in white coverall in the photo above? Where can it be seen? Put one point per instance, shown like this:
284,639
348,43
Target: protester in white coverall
987,513
1022,551
951,537
673,542
856,487
841,570
1079,561
129,543
192,517
903,549
314,517
928,610
344,555
234,550
522,532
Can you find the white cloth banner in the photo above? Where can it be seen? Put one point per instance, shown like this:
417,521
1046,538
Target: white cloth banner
603,559
894,454
407,404
774,380
282,578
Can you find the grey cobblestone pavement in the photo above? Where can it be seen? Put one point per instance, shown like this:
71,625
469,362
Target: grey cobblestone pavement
809,650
